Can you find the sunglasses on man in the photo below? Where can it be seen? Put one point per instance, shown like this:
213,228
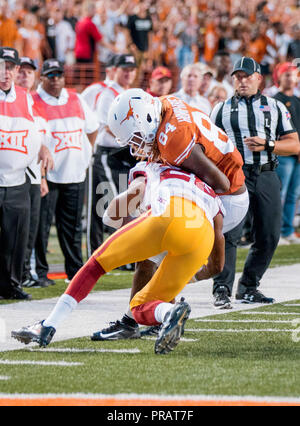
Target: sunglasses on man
52,75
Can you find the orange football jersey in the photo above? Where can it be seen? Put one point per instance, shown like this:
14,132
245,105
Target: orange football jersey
183,126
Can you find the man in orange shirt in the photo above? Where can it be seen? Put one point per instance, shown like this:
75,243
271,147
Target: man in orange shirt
9,35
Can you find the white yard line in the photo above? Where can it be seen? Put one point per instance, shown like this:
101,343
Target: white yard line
244,321
78,351
235,330
43,363
270,313
291,304
182,339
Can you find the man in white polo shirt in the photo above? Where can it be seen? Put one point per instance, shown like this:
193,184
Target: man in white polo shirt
20,143
73,127
191,78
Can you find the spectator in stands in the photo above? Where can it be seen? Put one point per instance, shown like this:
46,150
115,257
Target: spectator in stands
211,42
50,34
217,94
160,83
31,39
280,38
187,36
294,46
104,27
72,13
191,78
9,34
288,169
223,66
87,35
208,74
259,46
65,38
140,27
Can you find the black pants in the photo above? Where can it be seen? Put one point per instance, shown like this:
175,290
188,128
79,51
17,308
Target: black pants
35,205
65,202
109,176
265,210
14,230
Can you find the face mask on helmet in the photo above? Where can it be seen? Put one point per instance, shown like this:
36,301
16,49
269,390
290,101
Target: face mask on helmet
134,118
139,148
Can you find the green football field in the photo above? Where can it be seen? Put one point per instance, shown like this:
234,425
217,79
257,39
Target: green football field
252,353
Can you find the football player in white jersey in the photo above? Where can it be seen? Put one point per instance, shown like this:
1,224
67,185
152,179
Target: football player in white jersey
183,217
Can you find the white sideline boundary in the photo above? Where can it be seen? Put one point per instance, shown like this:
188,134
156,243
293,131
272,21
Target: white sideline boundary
100,307
154,397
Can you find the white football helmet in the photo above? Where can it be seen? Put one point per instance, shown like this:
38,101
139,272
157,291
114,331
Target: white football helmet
133,118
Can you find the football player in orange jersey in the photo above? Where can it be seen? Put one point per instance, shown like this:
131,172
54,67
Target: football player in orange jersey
169,130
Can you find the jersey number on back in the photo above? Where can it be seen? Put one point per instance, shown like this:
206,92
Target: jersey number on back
212,133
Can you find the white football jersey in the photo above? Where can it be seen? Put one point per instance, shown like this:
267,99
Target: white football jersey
164,181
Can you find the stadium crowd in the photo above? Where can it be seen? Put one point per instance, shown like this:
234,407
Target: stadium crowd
183,47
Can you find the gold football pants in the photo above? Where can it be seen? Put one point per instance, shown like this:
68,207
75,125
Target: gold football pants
183,231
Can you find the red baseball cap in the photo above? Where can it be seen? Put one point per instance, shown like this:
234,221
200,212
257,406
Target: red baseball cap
286,66
161,72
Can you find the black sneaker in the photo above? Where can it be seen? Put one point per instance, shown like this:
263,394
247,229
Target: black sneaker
32,283
35,333
222,300
253,296
117,331
17,294
45,282
153,330
172,328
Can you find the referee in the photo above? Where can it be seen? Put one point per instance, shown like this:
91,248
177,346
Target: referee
261,129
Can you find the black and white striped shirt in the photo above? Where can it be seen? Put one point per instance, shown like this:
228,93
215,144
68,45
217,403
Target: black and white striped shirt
258,115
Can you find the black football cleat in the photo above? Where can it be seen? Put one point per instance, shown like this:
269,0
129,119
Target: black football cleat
36,333
221,298
117,330
253,296
153,330
172,328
